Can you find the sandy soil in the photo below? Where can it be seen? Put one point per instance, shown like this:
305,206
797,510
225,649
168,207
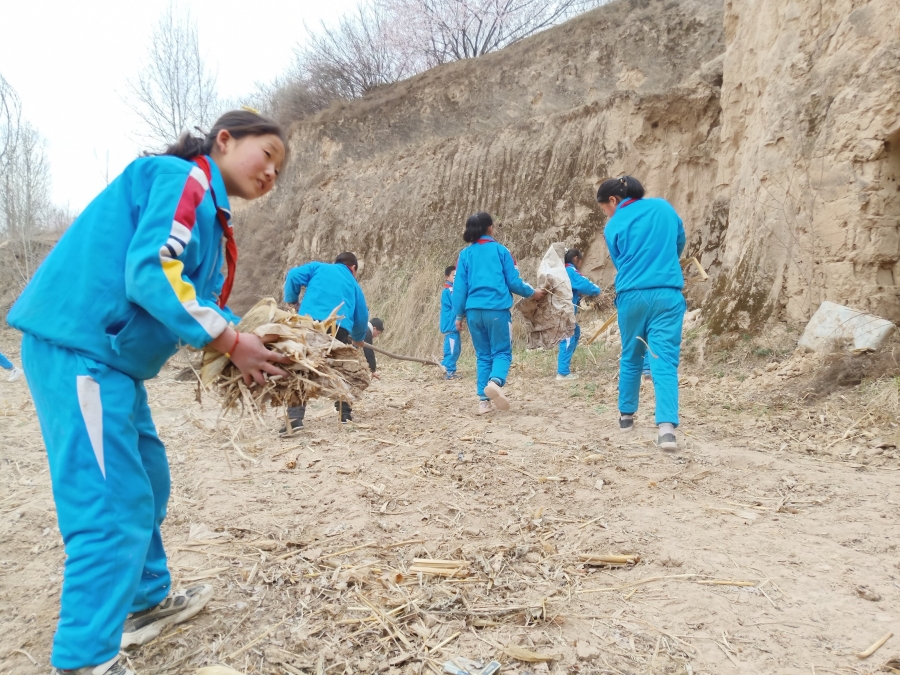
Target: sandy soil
754,542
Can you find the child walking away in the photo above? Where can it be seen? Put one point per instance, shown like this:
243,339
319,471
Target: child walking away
486,277
645,238
448,325
329,286
139,272
6,364
581,285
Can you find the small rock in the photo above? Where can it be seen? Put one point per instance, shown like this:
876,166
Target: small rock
867,593
599,484
533,557
585,651
771,366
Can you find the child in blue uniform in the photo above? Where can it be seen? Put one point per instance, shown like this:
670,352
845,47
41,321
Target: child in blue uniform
329,286
645,238
486,277
581,285
448,325
139,273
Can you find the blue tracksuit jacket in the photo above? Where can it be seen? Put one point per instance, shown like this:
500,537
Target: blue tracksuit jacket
138,271
327,286
448,318
645,238
581,285
485,275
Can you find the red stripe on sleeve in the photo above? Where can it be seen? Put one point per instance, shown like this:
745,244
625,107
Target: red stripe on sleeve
193,194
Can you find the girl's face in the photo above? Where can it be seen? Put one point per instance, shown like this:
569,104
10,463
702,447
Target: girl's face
249,165
576,262
609,208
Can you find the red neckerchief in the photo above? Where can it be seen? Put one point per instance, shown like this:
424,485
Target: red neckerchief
447,284
231,252
574,268
484,240
626,203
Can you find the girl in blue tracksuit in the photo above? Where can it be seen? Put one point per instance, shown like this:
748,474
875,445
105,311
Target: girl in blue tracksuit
581,285
139,273
448,325
486,277
645,238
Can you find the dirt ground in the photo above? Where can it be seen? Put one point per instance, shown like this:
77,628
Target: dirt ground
767,545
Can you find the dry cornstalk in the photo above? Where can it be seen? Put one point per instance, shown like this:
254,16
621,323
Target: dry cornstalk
875,647
726,582
609,560
441,568
321,365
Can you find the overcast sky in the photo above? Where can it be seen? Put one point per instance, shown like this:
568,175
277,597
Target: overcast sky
70,60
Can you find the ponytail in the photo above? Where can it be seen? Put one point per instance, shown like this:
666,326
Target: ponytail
625,187
239,123
477,226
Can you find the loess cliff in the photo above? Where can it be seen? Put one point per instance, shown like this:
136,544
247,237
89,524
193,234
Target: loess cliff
772,127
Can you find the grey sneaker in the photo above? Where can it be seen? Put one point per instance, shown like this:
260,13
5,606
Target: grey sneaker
114,667
667,442
498,398
179,606
15,374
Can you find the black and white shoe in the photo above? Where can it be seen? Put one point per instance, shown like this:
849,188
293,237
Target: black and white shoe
113,667
296,425
179,606
626,423
667,442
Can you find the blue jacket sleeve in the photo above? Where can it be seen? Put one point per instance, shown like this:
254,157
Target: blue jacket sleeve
297,279
155,278
360,317
582,285
514,282
681,238
611,246
461,287
447,320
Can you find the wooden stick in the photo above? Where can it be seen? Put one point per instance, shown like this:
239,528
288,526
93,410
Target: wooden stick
348,550
874,648
703,275
400,357
606,324
726,582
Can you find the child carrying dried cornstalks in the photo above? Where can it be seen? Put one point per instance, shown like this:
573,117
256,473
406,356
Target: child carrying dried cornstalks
329,286
139,273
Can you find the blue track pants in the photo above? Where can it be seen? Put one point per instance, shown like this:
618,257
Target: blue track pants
491,331
451,351
5,363
110,481
567,351
656,316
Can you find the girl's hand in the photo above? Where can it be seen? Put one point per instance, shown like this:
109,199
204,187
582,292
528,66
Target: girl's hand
459,324
539,294
250,355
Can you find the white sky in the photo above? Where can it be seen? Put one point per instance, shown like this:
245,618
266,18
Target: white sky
70,60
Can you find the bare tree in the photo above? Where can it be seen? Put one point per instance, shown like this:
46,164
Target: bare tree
450,30
10,120
175,92
353,57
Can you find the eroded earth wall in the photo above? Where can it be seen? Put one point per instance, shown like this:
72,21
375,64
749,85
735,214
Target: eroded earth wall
771,126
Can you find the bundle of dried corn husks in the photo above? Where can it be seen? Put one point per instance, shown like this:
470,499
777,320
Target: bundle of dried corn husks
322,366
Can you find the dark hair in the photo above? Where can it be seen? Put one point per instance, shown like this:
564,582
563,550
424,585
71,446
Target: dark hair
449,269
571,254
348,259
377,323
239,123
625,187
477,226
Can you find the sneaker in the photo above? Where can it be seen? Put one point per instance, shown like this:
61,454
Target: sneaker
296,425
179,606
15,374
484,407
498,398
626,423
113,667
570,376
667,442
647,376
451,376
